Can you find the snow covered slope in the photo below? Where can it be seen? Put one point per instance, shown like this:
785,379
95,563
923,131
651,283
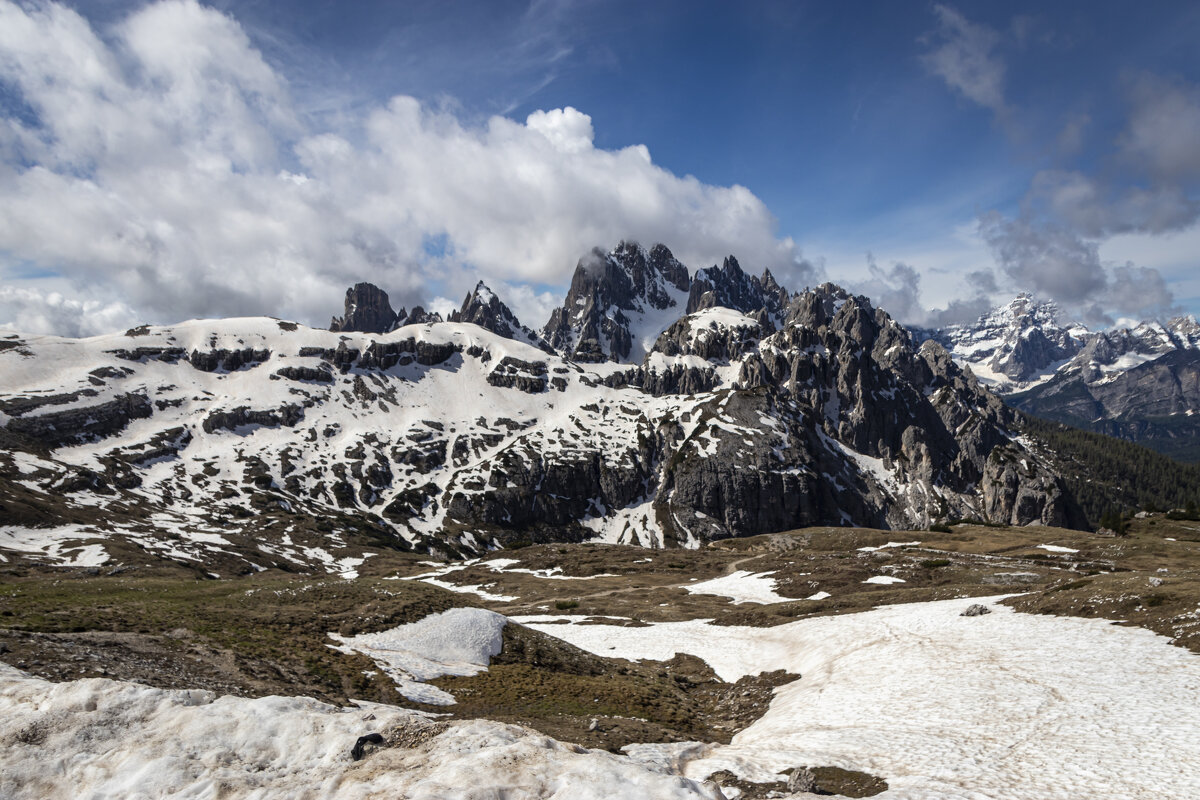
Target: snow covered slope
1026,343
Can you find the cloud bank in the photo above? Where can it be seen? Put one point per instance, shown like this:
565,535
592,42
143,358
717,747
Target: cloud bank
1052,245
162,167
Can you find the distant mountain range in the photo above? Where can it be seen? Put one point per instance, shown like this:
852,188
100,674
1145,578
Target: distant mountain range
657,407
1140,383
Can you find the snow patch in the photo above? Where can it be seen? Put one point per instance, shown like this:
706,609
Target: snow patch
741,587
108,740
460,641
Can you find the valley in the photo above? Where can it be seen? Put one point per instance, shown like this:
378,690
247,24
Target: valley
270,633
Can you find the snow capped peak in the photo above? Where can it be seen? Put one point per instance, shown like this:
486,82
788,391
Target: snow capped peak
618,303
484,308
483,293
1027,342
1015,345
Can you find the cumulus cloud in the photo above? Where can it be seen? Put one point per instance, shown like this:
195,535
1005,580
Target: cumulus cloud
897,290
1096,209
962,53
1053,261
162,165
32,311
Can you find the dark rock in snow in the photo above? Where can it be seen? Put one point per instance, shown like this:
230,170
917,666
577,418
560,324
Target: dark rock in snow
367,311
360,747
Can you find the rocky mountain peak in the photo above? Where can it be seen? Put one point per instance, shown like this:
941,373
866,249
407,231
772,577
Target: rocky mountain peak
484,308
618,303
367,311
1013,345
730,287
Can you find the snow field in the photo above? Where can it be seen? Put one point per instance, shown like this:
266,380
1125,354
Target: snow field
460,641
107,740
741,587
1006,705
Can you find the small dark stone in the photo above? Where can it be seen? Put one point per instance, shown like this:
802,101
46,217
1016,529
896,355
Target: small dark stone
975,610
360,746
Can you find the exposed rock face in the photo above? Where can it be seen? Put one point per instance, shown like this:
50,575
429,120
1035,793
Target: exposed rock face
614,308
483,308
730,287
1013,344
418,316
1156,403
367,310
83,423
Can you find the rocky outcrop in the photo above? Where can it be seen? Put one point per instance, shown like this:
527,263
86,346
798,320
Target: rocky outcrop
83,423
383,355
483,308
525,376
730,287
613,310
222,360
243,416
418,316
367,311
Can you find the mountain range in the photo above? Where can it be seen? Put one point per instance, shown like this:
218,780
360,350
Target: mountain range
656,407
1140,383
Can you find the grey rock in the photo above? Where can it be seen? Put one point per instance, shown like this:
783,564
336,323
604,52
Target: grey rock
88,423
367,311
609,291
975,610
802,780
483,308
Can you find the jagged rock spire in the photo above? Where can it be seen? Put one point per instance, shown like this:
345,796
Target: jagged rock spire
482,307
367,310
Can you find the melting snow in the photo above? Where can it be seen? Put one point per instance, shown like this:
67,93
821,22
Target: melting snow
107,740
460,641
741,587
884,579
1054,548
886,546
1004,705
62,547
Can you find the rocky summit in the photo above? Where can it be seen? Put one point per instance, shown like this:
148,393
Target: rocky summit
257,442
1135,382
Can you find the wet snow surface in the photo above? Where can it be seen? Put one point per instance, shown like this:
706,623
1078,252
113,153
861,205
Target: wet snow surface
1005,705
460,641
741,587
106,740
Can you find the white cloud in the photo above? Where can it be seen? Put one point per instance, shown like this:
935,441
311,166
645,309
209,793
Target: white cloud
567,129
961,54
32,311
167,167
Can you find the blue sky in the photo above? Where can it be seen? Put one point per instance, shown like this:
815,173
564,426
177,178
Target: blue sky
938,157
